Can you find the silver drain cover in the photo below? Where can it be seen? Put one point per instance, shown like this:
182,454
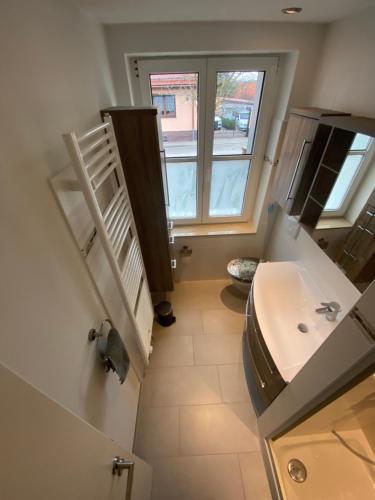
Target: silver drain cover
297,470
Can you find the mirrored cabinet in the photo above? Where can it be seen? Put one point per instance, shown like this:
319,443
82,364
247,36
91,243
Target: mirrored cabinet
335,200
302,139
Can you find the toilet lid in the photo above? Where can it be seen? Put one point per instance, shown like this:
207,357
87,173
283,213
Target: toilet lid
243,269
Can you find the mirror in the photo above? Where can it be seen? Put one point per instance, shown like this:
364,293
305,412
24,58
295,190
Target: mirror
346,227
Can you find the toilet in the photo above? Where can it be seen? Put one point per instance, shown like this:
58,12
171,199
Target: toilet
241,272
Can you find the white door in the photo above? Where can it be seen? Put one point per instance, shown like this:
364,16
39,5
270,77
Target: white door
48,453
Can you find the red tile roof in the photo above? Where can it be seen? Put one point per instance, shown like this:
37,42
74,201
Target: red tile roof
246,90
176,79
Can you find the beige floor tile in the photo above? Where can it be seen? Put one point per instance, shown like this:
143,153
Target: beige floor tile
232,299
254,476
198,294
188,322
224,428
172,351
217,349
181,386
233,383
157,433
215,477
222,321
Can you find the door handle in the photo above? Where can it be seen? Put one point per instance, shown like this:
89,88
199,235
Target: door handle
260,380
120,464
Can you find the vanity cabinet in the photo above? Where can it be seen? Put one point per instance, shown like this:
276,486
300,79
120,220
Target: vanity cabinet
295,153
137,137
263,378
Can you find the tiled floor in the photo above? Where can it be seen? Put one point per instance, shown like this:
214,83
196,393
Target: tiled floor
196,425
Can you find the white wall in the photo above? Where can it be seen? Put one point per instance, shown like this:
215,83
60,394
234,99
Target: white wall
345,80
306,39
211,255
54,78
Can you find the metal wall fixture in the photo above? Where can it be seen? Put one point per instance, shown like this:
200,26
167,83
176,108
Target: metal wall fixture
291,10
95,334
111,350
186,251
85,250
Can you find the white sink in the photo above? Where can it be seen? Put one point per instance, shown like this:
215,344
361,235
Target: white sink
284,296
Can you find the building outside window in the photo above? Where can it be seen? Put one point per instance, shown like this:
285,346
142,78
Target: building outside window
166,105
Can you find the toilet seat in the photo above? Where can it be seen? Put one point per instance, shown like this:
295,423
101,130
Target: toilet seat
243,269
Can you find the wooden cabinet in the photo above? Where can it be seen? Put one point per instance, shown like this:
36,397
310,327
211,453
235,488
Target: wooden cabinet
138,142
295,153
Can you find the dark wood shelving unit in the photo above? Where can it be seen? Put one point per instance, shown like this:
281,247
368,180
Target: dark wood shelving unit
338,132
138,142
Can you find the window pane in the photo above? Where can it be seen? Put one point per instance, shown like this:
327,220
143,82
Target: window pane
228,185
237,103
157,101
170,104
178,111
182,188
360,142
344,180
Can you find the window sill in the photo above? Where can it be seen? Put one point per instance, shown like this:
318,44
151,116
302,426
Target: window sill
333,223
230,228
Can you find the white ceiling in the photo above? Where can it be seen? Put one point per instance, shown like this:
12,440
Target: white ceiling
133,11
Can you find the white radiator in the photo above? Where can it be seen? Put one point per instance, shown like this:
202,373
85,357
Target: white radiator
97,163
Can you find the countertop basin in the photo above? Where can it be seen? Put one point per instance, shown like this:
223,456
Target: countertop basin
285,295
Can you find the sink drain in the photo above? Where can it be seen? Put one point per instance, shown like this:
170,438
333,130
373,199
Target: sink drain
302,327
297,471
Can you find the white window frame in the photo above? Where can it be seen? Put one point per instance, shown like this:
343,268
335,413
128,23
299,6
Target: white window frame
207,68
368,157
182,65
267,65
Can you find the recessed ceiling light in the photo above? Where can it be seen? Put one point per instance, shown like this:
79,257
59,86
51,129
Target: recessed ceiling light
291,10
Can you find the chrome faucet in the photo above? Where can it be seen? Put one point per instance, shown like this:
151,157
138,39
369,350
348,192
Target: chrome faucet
330,309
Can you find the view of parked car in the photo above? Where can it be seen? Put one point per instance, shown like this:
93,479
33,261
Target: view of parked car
243,121
217,123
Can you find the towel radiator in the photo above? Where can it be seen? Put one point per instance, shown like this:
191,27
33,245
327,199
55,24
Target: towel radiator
97,163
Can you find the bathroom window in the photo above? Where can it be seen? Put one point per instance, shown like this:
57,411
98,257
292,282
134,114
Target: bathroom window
350,176
213,133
